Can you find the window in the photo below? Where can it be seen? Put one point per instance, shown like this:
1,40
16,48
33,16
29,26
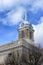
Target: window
30,35
22,34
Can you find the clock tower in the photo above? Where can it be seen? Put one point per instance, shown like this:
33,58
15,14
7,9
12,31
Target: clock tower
25,30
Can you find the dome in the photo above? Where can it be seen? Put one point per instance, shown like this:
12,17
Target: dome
24,23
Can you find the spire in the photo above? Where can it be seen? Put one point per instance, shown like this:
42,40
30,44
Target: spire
25,15
25,19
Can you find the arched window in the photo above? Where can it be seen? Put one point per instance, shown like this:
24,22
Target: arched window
23,34
30,35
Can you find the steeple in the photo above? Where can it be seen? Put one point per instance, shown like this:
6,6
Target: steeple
25,21
26,29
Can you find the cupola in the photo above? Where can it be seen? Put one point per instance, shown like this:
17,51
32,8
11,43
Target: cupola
26,30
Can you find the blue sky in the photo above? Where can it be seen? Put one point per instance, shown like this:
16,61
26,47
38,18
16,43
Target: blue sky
12,13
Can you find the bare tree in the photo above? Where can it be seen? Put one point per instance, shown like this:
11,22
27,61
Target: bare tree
11,59
35,57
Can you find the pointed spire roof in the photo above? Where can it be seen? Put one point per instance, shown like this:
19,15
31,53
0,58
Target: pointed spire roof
25,16
25,21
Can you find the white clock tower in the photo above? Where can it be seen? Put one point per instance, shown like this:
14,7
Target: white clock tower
26,30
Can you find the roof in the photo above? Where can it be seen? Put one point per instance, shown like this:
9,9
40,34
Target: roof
24,23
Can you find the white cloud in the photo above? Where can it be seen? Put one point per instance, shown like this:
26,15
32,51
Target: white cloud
16,17
37,5
13,17
38,35
17,9
7,4
16,13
